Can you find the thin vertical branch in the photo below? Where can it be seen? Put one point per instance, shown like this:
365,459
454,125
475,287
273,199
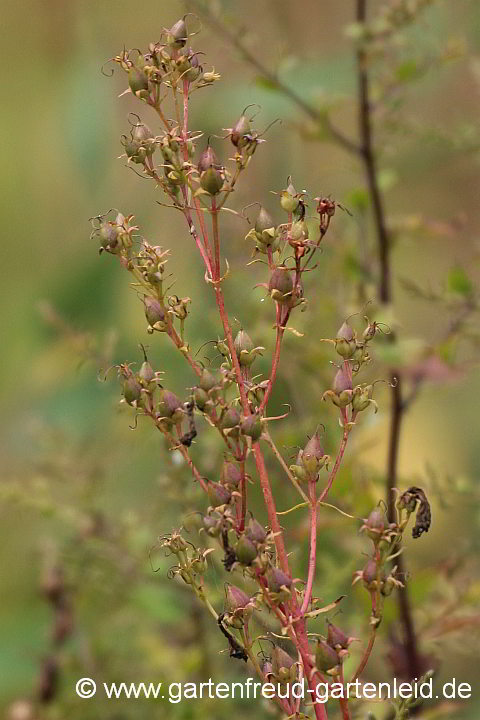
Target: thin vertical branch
368,156
312,561
385,294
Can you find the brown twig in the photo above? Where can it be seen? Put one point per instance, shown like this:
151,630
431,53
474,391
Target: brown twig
385,294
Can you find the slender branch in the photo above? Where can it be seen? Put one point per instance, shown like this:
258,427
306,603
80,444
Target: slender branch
385,293
271,508
368,155
275,361
266,436
366,656
312,562
333,474
178,446
223,313
343,701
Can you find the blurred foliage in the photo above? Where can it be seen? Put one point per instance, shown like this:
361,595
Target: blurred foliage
79,488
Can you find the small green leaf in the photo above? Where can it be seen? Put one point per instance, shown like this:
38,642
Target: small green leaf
265,83
407,71
458,282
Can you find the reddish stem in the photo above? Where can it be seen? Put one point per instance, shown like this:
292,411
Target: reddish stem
338,461
223,313
343,700
365,658
242,506
275,360
313,548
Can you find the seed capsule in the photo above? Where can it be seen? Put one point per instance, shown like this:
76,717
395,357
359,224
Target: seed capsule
277,579
252,427
146,373
336,638
375,525
231,474
207,381
131,390
264,221
243,345
211,181
241,132
201,398
154,312
230,420
289,199
283,665
109,238
280,285
313,456
236,599
177,35
212,524
255,532
218,494
207,160
138,81
245,551
326,658
345,341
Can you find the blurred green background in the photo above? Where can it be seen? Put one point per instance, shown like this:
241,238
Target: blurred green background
79,487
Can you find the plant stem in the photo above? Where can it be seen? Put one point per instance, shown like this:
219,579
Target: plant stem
312,562
368,156
275,361
385,293
365,657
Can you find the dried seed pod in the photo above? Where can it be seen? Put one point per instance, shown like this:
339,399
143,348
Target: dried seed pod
231,474
218,494
207,380
131,390
280,286
211,180
245,550
336,638
169,407
138,81
252,427
241,132
277,580
230,420
283,666
200,397
372,575
326,657
345,341
213,524
255,532
264,221
313,457
244,348
207,160
177,35
109,240
375,525
289,199
154,313
236,599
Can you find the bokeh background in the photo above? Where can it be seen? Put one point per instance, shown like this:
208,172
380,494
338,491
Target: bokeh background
80,489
